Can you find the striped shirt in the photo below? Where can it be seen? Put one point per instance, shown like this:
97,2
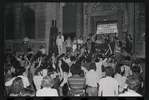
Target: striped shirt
76,82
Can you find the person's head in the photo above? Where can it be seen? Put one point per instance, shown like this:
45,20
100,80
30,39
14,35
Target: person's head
29,50
75,69
74,38
135,69
81,37
59,33
44,72
88,60
17,86
93,66
68,38
47,82
52,72
27,92
108,37
19,70
127,58
10,69
53,54
133,82
38,71
114,34
100,57
120,69
42,49
72,58
109,71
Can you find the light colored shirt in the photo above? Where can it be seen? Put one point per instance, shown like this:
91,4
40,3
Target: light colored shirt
99,70
59,41
68,43
24,79
121,80
127,71
130,93
47,92
68,60
108,86
91,78
80,41
84,69
37,81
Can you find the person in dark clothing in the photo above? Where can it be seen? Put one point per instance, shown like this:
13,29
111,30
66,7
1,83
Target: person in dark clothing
128,44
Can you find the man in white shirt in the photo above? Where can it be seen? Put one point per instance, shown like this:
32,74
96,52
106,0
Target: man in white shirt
108,86
92,80
47,83
99,63
59,42
37,79
133,84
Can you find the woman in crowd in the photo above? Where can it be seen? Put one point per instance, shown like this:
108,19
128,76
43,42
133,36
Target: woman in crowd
16,87
119,76
47,83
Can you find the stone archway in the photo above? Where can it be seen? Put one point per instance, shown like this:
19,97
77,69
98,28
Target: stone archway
9,25
28,23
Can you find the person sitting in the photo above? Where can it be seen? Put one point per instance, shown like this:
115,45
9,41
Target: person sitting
92,80
108,86
16,87
27,93
133,84
47,83
76,83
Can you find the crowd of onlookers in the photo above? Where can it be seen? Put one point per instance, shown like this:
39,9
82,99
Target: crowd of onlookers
80,71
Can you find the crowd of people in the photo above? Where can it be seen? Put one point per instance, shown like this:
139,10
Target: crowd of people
80,71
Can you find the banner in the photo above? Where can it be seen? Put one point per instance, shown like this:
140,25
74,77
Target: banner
104,46
107,28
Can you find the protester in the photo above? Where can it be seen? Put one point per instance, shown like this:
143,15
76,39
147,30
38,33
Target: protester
47,83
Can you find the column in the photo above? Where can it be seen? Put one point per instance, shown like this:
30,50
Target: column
79,19
132,24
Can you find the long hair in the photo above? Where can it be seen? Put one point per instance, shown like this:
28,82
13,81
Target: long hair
16,86
47,82
118,69
27,92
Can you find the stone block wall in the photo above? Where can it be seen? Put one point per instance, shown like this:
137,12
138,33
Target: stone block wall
44,13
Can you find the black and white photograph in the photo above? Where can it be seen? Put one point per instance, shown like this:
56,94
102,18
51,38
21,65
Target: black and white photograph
74,49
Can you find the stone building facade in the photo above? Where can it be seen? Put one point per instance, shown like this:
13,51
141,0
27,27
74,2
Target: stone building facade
126,15
38,30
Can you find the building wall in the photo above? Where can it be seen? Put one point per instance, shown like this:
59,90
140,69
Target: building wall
44,14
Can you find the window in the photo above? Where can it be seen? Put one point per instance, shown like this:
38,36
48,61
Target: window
142,20
29,19
9,25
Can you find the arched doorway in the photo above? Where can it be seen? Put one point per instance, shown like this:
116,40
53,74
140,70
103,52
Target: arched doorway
29,23
9,25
